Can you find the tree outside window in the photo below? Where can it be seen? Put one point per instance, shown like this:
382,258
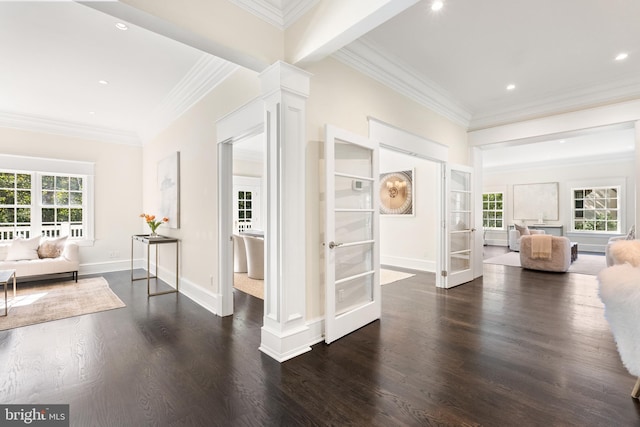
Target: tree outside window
596,209
493,211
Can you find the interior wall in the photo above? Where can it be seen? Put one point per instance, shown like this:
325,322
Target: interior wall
345,98
194,136
606,172
117,200
409,240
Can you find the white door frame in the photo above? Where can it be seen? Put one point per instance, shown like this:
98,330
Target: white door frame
245,122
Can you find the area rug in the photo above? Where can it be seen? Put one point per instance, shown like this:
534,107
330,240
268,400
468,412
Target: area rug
243,283
390,276
585,264
43,303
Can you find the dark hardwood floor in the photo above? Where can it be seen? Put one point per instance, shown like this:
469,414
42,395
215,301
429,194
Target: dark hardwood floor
517,348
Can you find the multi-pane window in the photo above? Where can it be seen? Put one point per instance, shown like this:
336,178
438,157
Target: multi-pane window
34,203
493,211
596,209
15,204
245,210
62,202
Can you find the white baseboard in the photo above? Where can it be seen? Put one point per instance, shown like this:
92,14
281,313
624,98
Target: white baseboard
411,263
198,294
316,330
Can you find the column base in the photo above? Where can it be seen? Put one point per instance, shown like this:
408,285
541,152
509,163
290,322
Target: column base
284,346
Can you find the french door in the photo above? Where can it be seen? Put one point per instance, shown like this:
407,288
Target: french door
351,249
458,226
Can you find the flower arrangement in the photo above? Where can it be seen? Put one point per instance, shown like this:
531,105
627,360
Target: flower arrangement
152,222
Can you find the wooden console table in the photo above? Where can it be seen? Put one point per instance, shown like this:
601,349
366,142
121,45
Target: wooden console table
149,241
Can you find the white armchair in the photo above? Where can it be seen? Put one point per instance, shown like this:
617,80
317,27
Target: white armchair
619,290
516,234
239,255
255,257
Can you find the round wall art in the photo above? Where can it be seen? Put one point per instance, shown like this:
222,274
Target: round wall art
396,193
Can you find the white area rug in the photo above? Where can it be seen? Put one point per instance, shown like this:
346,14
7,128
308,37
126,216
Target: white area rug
585,264
390,276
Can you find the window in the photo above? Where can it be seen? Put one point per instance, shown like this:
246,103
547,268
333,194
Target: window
245,210
492,211
596,209
52,198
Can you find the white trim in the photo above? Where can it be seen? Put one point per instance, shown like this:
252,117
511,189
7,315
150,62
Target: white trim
207,73
394,138
554,163
279,15
42,164
49,125
613,116
411,263
367,58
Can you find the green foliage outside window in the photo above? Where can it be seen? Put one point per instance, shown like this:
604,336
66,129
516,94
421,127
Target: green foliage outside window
596,209
493,211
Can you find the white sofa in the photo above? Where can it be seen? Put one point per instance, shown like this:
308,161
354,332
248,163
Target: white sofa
68,261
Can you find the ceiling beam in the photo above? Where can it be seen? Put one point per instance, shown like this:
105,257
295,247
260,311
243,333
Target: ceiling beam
333,24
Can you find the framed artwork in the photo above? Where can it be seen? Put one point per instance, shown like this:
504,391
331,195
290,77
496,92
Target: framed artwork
169,186
535,201
397,193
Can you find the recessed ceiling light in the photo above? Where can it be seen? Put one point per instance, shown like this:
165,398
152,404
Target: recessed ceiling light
93,113
621,56
562,141
437,5
103,82
121,26
511,86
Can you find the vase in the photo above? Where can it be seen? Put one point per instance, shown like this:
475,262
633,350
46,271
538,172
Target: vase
153,234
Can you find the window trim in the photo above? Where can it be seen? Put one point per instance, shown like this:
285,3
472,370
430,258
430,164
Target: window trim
614,182
39,165
503,210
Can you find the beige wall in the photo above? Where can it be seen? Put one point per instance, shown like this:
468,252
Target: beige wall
117,188
194,136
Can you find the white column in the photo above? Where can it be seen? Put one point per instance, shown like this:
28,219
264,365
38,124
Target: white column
636,220
285,334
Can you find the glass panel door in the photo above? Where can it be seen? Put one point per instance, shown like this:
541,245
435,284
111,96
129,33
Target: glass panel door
352,288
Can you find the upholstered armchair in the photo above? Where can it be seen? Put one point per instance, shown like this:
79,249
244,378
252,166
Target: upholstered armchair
619,290
517,233
239,255
255,257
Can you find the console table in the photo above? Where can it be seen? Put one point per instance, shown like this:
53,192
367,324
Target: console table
554,230
148,240
5,277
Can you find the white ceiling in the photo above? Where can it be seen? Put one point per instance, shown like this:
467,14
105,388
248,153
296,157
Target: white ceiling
458,61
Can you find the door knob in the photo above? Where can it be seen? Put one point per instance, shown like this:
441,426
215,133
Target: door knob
334,245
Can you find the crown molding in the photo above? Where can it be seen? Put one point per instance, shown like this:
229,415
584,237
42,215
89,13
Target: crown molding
576,99
367,58
279,13
60,127
207,73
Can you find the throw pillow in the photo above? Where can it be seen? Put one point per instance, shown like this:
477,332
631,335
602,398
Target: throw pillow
631,235
51,248
524,231
22,248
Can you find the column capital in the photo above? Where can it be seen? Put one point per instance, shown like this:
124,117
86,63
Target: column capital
283,76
